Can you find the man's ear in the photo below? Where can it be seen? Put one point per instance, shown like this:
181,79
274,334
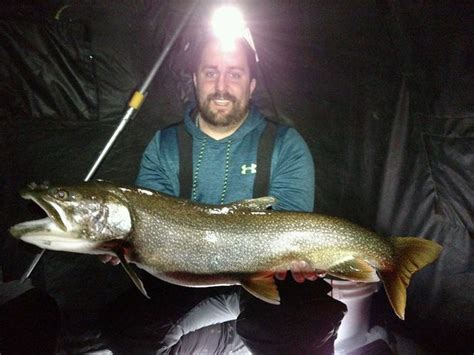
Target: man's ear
194,79
253,84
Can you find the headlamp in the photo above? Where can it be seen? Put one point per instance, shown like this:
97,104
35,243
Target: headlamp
228,24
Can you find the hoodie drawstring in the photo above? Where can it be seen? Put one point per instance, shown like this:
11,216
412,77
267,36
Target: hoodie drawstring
196,172
226,170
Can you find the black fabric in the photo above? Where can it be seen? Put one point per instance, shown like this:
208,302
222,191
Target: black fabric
382,94
30,324
185,162
264,160
132,324
305,322
264,157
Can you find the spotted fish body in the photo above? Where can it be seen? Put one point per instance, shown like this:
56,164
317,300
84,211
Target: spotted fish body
200,245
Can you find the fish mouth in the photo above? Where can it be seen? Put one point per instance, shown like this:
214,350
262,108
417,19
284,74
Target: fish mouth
74,223
45,234
50,206
53,232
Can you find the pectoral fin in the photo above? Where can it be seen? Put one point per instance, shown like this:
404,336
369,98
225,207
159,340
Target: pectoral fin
262,286
128,269
354,269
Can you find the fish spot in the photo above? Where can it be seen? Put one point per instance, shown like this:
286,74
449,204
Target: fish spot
210,237
145,192
222,210
215,263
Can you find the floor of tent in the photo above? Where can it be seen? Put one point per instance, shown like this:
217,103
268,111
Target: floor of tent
30,320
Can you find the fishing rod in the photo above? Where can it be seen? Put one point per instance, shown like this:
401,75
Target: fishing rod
133,106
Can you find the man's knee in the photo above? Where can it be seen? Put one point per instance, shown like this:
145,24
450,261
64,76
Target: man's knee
291,328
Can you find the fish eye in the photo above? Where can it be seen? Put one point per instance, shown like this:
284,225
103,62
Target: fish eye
61,194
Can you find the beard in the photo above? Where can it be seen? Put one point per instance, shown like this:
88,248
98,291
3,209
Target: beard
218,118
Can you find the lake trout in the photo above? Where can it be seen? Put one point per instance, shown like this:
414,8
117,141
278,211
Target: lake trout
198,245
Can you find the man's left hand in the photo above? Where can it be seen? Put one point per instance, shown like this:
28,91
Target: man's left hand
300,271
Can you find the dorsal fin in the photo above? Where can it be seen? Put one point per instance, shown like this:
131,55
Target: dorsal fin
260,204
254,204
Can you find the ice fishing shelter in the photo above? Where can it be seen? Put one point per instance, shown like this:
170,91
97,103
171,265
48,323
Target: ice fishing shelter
381,91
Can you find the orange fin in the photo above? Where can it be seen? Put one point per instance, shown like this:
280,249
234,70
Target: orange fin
354,269
412,254
262,286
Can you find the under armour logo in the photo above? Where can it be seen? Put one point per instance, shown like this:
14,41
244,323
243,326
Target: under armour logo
252,169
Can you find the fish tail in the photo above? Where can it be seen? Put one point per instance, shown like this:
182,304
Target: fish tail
412,254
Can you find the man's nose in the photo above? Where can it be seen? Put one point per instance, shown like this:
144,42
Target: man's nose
221,83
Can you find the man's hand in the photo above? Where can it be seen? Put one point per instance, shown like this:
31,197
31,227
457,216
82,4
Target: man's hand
109,259
300,271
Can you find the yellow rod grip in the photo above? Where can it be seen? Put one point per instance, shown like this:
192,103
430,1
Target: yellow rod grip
136,100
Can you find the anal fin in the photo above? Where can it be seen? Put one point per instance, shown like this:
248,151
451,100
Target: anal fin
354,269
262,286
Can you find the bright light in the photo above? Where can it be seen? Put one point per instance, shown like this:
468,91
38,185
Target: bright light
228,24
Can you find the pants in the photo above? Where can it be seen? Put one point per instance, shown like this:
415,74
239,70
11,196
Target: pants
306,321
223,320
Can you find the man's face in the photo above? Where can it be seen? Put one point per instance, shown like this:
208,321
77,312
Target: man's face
223,85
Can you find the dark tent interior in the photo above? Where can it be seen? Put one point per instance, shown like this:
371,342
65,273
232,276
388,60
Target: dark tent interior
382,92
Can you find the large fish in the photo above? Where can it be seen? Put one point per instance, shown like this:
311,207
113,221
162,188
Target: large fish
200,245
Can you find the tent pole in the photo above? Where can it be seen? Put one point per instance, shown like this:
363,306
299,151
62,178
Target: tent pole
133,107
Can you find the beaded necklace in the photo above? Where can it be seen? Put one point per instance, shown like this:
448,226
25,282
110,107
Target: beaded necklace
198,165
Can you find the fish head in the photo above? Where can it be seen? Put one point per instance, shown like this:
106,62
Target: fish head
79,218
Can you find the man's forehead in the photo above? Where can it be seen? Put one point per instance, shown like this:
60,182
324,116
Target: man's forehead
214,55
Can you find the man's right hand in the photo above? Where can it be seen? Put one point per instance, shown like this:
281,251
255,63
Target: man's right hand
109,259
301,271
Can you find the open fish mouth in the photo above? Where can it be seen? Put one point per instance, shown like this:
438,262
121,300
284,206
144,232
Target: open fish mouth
53,232
46,234
53,223
50,206
44,225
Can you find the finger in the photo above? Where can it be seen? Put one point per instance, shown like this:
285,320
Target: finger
114,260
298,277
311,276
105,258
320,273
280,275
297,265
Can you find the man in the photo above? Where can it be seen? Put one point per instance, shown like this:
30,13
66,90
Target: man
226,131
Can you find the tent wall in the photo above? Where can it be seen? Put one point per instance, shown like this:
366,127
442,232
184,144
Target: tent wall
381,91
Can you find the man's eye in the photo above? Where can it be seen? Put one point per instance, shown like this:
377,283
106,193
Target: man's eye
235,76
210,74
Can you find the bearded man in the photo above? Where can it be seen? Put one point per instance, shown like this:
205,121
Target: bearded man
224,151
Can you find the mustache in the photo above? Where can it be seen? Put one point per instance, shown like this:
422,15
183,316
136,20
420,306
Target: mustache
221,96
